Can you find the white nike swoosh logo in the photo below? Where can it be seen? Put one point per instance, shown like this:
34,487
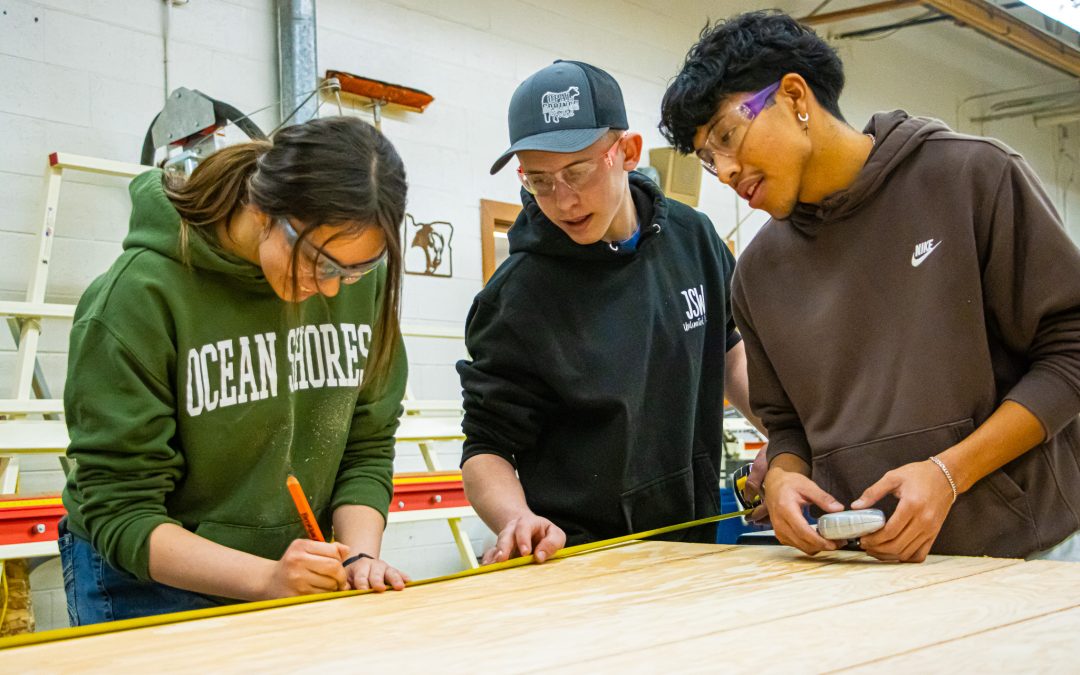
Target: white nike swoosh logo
917,260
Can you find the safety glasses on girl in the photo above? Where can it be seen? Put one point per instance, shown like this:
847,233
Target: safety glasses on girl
325,264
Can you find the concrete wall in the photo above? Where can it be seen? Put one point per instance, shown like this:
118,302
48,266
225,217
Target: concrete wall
86,77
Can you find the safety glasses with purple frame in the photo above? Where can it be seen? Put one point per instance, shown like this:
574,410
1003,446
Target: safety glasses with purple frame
725,135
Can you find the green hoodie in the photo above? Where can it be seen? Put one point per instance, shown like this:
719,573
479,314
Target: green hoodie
193,391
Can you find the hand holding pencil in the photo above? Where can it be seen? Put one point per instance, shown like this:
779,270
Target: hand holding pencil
310,565
363,572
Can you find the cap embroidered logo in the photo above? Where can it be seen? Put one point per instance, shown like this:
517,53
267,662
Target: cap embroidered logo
557,105
564,108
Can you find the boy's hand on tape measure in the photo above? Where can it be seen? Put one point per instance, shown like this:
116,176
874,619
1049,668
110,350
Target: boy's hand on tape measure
754,484
925,500
786,493
523,535
374,574
307,567
758,469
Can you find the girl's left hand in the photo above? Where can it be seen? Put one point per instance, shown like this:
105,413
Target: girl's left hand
376,575
925,499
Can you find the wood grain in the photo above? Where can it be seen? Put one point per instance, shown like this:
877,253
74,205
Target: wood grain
892,621
1049,643
639,607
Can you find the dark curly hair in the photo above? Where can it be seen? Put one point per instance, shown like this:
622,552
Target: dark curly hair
746,53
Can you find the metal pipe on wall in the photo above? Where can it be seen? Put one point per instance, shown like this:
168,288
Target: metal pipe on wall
165,45
297,74
165,28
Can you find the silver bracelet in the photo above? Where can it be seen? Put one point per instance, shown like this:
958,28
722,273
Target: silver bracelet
948,476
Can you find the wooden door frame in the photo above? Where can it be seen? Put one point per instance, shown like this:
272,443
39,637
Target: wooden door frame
494,217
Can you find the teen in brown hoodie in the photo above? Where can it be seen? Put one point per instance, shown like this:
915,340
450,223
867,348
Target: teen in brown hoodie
911,314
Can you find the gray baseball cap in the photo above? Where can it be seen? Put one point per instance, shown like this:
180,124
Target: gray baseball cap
565,107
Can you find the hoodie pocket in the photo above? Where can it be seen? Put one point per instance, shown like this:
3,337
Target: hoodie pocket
992,518
687,494
660,502
265,542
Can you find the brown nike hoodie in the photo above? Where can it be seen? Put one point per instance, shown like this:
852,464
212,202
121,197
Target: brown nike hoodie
885,324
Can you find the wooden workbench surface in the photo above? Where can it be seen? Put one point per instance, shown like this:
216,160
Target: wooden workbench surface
651,606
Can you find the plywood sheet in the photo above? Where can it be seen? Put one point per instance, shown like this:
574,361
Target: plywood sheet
1048,644
638,607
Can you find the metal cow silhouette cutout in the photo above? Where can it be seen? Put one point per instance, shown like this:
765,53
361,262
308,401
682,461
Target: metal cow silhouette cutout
435,258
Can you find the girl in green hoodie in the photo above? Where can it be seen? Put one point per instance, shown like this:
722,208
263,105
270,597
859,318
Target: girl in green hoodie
248,332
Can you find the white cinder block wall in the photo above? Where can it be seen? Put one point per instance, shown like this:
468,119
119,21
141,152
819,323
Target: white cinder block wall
87,77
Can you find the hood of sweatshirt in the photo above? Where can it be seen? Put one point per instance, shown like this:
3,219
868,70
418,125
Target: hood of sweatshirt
896,136
155,225
535,233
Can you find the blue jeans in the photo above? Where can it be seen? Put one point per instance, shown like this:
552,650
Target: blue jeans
1068,550
98,592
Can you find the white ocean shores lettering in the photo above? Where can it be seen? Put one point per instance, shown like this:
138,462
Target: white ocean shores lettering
559,105
329,355
243,370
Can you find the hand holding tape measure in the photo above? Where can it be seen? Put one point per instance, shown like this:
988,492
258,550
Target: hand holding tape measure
842,526
746,485
834,529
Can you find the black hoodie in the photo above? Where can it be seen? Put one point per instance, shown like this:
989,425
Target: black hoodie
599,374
887,323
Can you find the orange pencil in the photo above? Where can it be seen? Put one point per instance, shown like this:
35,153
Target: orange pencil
304,509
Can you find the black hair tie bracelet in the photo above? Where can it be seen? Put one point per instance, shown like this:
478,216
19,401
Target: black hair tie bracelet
358,556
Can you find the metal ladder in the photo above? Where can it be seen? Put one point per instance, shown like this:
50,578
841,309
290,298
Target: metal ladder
30,393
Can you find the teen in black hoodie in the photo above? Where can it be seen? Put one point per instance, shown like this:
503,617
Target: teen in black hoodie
911,314
598,348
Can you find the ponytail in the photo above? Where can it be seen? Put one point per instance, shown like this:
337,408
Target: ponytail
216,189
